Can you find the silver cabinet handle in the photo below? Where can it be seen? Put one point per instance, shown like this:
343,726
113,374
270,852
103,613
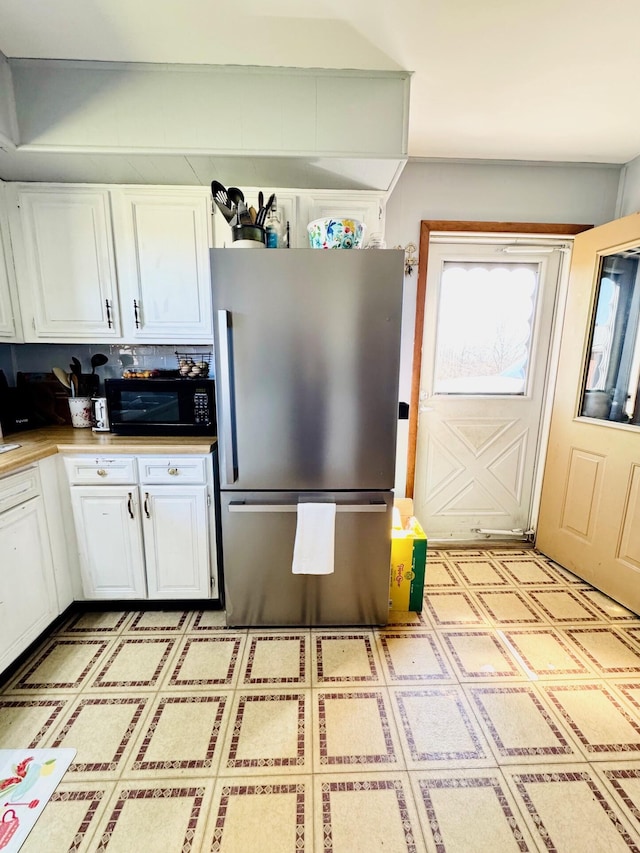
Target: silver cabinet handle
146,505
136,313
224,380
239,506
173,471
108,307
130,504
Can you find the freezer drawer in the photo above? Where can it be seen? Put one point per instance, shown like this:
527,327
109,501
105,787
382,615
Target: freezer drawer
258,533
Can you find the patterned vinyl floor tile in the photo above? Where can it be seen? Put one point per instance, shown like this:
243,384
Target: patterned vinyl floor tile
345,658
545,654
118,719
602,725
519,726
70,818
480,656
272,814
167,815
207,661
622,778
64,664
607,649
359,813
27,721
181,736
268,732
469,810
354,730
412,657
484,573
276,658
135,663
438,728
454,608
570,809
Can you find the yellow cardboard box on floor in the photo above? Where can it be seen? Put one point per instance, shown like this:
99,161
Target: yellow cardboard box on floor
408,561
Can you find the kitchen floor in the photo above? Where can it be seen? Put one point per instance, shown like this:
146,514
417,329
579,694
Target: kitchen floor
505,717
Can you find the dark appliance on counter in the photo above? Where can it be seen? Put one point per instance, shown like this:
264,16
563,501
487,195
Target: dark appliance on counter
307,371
37,400
161,406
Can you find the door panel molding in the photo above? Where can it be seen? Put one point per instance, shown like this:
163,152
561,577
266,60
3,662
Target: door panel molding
629,546
427,228
582,493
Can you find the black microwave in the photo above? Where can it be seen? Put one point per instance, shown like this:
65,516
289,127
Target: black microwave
161,406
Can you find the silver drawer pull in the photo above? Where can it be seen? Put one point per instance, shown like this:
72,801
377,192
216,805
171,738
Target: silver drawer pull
101,472
146,505
130,504
249,507
173,471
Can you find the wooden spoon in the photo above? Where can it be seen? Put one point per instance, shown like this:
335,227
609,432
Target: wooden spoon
62,377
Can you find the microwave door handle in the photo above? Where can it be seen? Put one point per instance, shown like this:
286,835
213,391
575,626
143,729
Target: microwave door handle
227,450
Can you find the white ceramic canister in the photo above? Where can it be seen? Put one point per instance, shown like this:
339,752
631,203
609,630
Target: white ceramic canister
80,408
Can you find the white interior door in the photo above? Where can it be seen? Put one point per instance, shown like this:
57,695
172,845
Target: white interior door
487,334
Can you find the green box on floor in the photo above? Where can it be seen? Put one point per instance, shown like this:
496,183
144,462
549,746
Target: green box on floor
408,567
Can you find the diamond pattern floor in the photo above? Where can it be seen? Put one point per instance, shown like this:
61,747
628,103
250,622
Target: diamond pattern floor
504,717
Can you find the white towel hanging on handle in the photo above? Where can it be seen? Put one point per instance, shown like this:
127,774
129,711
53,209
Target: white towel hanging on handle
313,550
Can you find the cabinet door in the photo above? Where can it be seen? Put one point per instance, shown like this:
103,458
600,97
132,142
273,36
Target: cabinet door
163,259
28,598
65,258
7,325
110,541
367,207
175,522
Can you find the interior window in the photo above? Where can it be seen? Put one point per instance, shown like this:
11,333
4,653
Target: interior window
612,372
485,319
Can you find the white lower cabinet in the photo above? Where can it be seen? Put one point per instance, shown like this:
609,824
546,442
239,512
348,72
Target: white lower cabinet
107,520
148,538
176,546
28,602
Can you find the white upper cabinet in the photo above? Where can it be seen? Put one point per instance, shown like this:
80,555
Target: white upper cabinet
9,318
368,207
7,325
162,248
65,263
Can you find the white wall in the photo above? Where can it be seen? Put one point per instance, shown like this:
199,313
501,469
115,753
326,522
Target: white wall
630,191
505,192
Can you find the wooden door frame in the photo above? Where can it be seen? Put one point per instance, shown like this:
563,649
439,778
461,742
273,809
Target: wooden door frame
427,227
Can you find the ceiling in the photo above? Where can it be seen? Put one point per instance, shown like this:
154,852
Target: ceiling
500,79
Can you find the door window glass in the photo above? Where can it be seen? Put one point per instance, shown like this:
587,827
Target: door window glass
612,372
485,320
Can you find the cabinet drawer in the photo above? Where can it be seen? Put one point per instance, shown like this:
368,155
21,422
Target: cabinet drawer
86,470
18,488
173,469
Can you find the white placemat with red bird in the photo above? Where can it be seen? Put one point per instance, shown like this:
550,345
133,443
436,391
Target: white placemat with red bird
28,778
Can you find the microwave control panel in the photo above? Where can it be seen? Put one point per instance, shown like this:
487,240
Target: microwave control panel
202,414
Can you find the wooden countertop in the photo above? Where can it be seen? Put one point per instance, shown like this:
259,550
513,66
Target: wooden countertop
39,443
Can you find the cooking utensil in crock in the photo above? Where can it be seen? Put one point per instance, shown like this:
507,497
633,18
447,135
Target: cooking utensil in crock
62,377
98,360
262,213
235,196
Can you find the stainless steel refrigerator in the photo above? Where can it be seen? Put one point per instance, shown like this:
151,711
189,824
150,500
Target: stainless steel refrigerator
307,350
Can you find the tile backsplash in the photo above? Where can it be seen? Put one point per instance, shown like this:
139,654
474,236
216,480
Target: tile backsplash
41,358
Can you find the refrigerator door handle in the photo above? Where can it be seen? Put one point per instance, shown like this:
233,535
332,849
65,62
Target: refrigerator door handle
224,380
243,506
